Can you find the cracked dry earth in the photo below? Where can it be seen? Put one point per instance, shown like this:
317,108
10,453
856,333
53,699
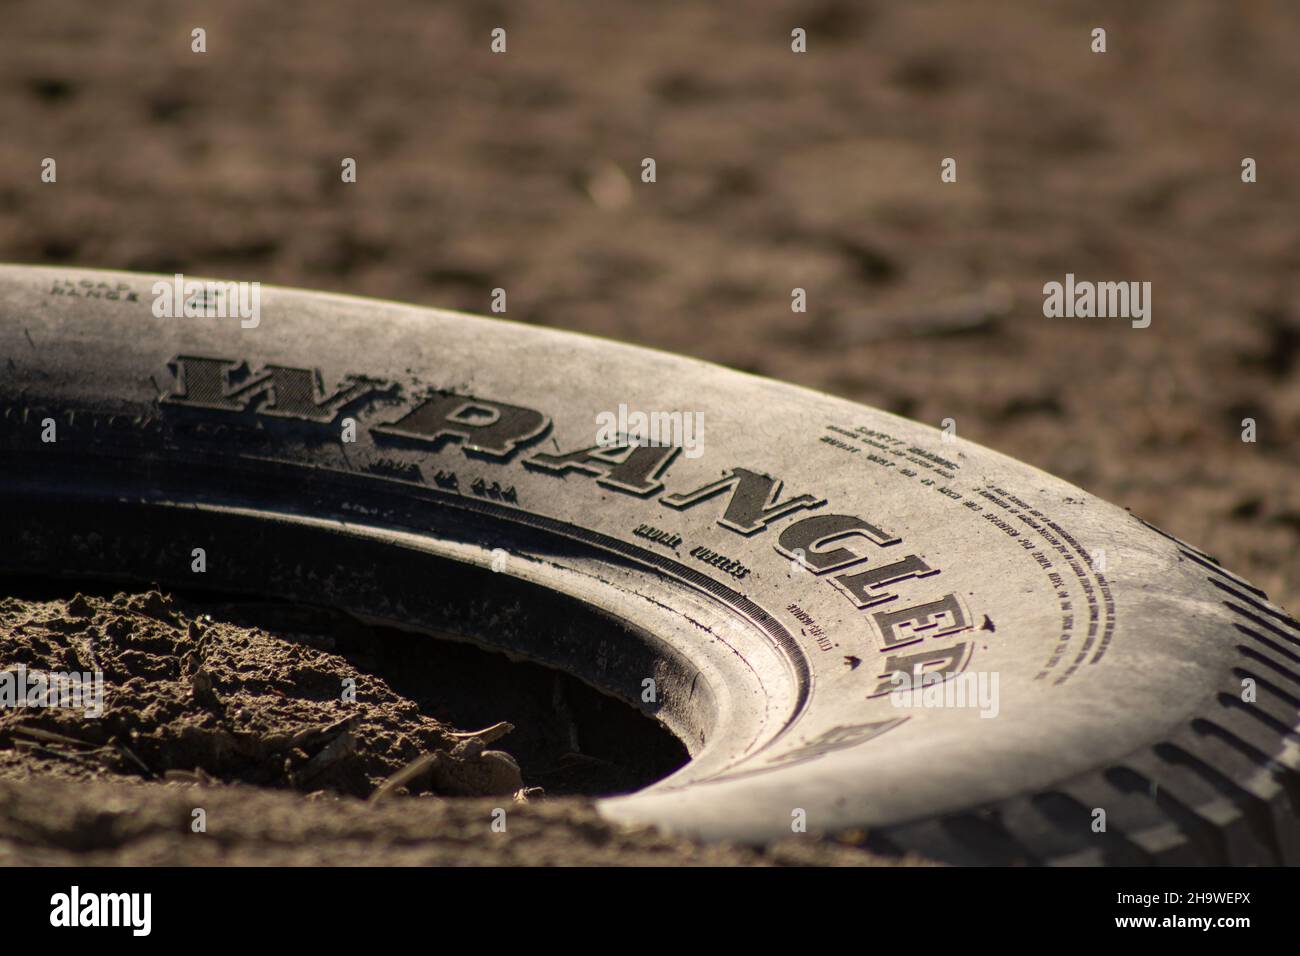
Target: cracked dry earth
233,716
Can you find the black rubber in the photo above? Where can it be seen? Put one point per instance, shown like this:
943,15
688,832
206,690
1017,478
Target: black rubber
757,590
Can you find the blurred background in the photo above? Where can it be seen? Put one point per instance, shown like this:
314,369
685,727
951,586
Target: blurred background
774,171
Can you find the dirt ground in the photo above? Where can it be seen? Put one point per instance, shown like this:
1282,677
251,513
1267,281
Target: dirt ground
225,741
775,170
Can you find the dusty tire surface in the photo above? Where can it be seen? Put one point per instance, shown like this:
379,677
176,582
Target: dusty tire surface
756,588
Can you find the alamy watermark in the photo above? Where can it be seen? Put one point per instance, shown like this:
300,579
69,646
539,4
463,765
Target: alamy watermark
684,430
1102,300
969,689
74,908
82,690
194,299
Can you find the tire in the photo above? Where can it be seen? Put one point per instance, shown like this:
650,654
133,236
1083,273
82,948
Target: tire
756,590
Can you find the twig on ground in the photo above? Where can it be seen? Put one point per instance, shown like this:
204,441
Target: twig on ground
416,768
487,734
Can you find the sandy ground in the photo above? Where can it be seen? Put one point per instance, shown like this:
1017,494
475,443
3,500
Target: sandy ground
774,171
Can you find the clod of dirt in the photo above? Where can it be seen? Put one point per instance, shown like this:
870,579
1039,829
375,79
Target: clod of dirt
470,770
